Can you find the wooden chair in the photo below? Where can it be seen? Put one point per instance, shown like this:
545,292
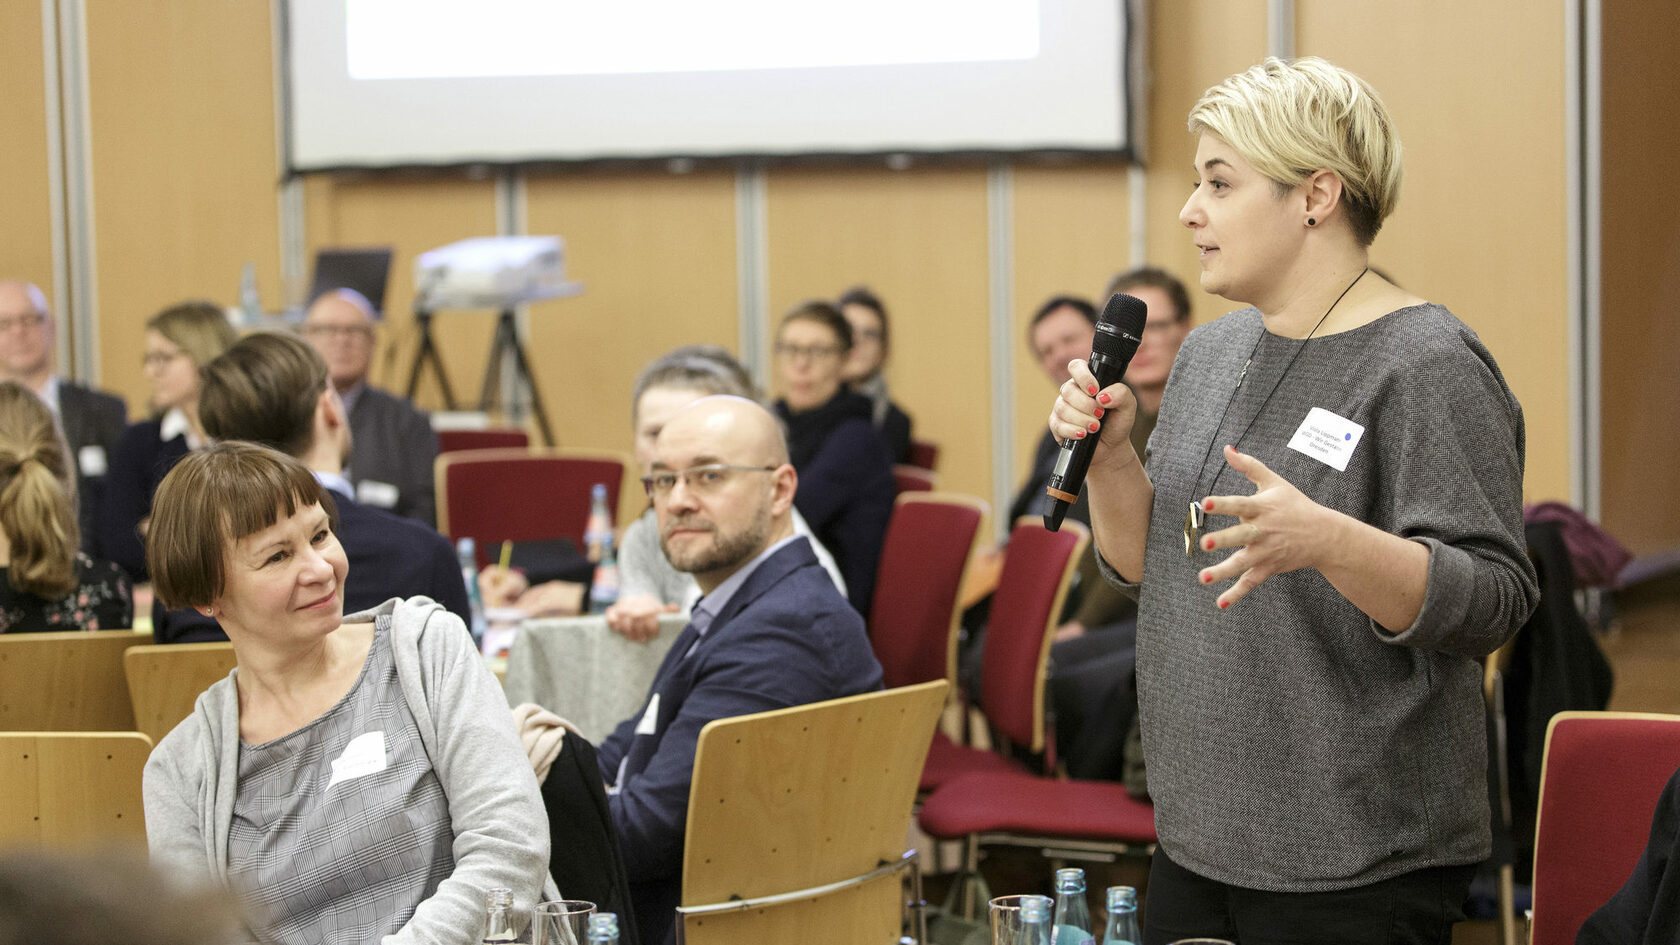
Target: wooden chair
497,495
797,820
71,788
924,454
455,441
914,479
164,681
65,682
1600,780
914,618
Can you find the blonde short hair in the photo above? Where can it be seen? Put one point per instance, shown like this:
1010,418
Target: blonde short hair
1289,118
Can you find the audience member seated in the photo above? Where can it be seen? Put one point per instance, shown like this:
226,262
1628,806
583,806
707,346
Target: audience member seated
180,340
272,389
393,444
45,582
770,631
846,482
864,371
92,420
355,778
648,585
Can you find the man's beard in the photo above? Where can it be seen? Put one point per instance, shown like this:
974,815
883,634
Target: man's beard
728,549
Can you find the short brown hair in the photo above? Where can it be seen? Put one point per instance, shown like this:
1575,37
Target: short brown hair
211,499
201,329
264,390
823,313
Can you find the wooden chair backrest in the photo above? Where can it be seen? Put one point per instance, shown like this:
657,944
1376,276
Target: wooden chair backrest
164,681
71,788
796,798
65,682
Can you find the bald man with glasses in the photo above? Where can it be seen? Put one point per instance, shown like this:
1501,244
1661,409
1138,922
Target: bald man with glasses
770,630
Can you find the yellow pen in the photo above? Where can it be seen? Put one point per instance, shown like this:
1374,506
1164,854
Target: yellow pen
507,554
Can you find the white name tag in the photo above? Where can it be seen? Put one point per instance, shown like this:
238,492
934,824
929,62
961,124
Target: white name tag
1328,438
649,725
380,495
91,460
364,755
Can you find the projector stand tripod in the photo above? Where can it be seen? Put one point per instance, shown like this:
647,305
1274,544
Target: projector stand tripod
507,344
426,354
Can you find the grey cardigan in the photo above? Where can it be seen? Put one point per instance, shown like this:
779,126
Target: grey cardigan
500,826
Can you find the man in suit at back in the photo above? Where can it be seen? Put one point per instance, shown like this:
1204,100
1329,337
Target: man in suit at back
92,420
770,631
393,444
272,389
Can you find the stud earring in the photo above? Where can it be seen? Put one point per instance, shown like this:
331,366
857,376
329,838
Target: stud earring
1311,221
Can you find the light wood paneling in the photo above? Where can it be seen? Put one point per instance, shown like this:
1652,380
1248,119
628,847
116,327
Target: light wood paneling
25,195
1641,277
411,214
656,254
181,98
1072,234
918,238
1481,222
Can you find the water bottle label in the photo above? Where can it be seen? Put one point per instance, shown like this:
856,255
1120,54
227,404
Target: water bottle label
1071,935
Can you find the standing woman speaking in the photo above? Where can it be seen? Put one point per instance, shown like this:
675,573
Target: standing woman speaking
1325,535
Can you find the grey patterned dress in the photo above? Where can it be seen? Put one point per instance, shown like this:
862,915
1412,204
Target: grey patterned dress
341,829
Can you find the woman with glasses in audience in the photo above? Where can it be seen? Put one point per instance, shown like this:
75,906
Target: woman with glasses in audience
846,487
1325,535
355,778
179,340
864,371
48,584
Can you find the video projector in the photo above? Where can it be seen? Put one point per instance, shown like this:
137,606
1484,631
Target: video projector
491,272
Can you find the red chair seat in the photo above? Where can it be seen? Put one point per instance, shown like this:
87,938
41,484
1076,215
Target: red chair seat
947,760
1021,803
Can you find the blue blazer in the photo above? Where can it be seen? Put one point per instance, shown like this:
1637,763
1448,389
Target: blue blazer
786,638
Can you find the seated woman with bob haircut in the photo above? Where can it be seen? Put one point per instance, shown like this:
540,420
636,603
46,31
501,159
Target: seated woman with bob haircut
354,779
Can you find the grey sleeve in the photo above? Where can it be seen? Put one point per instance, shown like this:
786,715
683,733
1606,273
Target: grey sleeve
495,808
170,791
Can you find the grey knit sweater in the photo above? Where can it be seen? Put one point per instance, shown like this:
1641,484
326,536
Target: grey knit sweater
1292,744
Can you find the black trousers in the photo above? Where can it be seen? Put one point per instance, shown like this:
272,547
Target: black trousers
1418,907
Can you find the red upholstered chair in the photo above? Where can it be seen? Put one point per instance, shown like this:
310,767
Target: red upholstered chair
924,454
1601,777
497,495
914,617
1038,566
454,441
913,479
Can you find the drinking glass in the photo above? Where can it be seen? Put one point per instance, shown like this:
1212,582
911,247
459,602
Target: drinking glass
1005,912
561,922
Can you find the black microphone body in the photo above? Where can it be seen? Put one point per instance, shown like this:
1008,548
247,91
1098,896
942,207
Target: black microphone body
1119,331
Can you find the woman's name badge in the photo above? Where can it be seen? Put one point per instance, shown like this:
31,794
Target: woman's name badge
364,755
1328,438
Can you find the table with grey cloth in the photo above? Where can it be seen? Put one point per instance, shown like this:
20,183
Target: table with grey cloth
583,672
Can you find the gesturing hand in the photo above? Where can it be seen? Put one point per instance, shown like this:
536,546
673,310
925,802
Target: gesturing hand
1279,530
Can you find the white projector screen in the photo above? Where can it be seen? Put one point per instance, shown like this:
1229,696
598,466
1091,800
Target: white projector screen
384,83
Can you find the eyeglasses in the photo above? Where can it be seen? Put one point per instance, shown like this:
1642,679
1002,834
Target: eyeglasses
337,331
158,359
700,480
813,352
26,321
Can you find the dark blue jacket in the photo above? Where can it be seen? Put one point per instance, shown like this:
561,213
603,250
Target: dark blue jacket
785,638
139,464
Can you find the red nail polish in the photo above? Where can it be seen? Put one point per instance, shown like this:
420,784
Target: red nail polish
1095,426
1092,390
1207,505
1207,578
1224,604
1100,413
1105,399
1080,435
1207,543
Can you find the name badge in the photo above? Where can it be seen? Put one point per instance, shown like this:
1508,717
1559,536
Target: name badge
1328,438
90,460
649,725
364,755
380,495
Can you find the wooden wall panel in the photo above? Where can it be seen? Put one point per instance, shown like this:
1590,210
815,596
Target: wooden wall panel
656,254
25,195
1072,234
181,99
411,214
918,237
1641,277
1481,222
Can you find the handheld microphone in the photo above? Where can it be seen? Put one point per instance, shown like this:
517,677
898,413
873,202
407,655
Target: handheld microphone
1119,331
